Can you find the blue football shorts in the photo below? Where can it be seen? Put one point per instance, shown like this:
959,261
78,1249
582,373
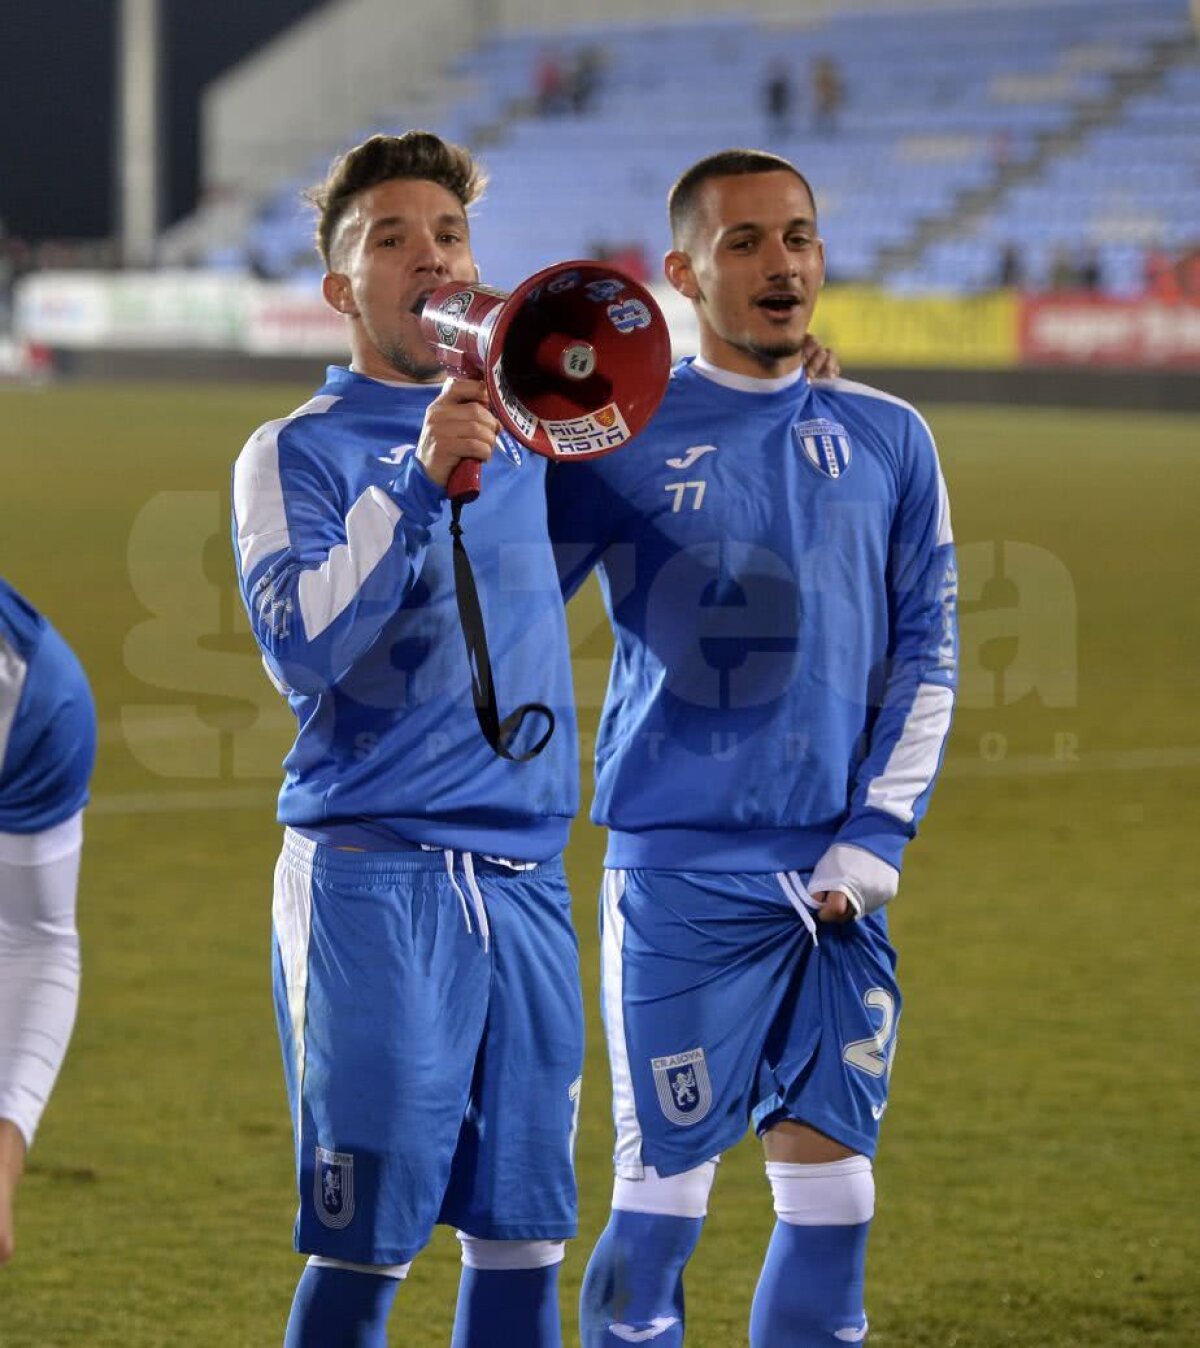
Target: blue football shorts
432,1033
726,1004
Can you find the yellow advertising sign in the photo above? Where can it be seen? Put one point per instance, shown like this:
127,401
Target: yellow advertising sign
875,327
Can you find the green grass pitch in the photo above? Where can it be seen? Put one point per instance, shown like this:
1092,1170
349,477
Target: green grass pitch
1039,1165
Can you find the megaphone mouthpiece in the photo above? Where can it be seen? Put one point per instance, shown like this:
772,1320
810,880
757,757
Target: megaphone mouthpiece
570,356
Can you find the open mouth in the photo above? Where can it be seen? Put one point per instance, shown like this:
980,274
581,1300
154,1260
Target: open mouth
418,304
781,302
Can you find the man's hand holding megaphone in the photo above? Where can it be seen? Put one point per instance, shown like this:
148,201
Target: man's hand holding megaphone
572,365
459,426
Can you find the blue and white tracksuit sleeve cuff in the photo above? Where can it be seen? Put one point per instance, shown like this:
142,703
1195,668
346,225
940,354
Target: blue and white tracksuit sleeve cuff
416,493
867,880
883,834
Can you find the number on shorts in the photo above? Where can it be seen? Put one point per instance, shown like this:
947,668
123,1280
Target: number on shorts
871,1055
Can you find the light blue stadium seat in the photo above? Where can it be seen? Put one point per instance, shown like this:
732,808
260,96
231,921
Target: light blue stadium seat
926,108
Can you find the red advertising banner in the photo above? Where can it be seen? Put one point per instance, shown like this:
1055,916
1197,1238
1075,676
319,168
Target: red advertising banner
1091,330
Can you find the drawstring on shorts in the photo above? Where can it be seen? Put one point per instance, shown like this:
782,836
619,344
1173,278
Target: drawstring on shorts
476,903
800,899
481,917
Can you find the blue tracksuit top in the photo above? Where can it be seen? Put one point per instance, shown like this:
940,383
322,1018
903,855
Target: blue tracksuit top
777,563
47,721
345,565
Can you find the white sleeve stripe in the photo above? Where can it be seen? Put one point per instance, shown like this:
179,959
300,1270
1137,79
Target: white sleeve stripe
867,391
327,590
12,684
38,1060
39,1032
40,849
39,982
258,508
913,762
944,532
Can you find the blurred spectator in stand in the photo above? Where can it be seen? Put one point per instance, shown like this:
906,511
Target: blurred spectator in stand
1089,275
629,257
1072,270
1010,274
550,84
1063,273
1002,149
586,78
260,268
1161,280
1172,277
778,97
1189,272
828,95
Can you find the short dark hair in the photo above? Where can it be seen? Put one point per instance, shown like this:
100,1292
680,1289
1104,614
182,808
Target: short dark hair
682,199
416,154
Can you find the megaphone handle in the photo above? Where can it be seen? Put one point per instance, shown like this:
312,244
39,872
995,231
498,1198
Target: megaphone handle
464,481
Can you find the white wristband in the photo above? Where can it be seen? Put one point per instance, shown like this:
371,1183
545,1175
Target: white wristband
866,880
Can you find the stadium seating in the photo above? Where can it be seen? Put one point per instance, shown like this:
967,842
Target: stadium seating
1032,105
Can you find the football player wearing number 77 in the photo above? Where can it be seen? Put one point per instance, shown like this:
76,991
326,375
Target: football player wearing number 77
779,569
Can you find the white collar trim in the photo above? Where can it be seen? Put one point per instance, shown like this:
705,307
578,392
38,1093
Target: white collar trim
390,383
744,382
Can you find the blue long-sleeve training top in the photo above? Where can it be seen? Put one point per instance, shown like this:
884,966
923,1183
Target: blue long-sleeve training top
777,562
47,721
345,565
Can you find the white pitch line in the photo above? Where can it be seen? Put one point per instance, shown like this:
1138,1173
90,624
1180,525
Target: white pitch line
183,802
958,765
1023,765
1045,765
113,732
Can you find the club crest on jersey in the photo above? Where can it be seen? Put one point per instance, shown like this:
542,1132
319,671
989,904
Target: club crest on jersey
684,1089
333,1188
826,446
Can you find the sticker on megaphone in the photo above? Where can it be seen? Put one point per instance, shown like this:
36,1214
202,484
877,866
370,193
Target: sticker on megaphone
597,433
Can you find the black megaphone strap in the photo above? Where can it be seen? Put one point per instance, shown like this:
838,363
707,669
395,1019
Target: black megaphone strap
500,734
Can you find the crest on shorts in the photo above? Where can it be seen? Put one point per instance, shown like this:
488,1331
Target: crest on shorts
826,446
333,1188
684,1090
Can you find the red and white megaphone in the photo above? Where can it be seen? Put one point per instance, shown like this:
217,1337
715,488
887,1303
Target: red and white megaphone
576,359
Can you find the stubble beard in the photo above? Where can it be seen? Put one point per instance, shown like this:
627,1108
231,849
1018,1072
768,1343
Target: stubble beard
404,362
418,366
768,354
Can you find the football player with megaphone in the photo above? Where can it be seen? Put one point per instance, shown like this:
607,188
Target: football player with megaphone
425,966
